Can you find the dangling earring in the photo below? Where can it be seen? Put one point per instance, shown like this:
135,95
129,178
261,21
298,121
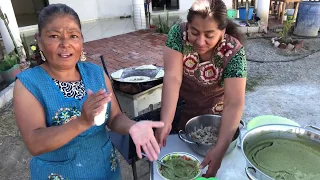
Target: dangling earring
83,57
223,40
42,56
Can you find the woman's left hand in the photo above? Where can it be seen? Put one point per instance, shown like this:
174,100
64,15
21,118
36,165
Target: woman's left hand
143,136
213,159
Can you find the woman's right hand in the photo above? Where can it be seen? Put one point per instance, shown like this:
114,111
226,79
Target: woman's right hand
161,134
93,105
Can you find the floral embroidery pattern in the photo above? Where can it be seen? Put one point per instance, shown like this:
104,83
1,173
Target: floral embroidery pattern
54,176
190,63
113,160
218,108
209,73
65,115
225,50
201,72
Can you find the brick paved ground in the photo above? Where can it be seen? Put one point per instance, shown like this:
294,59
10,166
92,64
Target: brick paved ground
132,49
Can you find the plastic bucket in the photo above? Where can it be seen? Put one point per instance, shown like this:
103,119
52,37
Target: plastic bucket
290,12
232,13
243,13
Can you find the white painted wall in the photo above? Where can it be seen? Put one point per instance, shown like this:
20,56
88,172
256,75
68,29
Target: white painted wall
98,9
228,3
186,4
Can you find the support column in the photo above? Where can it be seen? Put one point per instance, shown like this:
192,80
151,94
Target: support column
228,3
6,7
263,12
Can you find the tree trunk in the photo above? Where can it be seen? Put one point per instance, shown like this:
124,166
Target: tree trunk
1,50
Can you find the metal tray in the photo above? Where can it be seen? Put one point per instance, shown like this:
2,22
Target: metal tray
136,75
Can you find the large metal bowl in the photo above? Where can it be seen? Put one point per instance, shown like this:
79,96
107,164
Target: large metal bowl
205,121
259,134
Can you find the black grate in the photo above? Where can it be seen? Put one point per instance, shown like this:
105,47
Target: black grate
155,116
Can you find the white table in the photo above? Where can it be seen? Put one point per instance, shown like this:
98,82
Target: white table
232,167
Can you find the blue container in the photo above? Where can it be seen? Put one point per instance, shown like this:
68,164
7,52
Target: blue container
243,13
308,19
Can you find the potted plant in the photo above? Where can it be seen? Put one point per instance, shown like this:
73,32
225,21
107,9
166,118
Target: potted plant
19,50
9,67
32,51
284,41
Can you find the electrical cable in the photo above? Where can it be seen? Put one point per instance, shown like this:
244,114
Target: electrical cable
290,60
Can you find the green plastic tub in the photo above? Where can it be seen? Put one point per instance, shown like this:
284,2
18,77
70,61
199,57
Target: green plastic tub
232,13
269,119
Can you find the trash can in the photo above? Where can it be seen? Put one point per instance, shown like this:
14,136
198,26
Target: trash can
308,21
243,13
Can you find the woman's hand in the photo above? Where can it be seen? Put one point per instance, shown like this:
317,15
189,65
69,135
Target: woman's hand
213,159
162,134
93,105
143,136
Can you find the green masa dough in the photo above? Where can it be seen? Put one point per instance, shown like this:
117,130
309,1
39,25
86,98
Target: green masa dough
287,159
182,168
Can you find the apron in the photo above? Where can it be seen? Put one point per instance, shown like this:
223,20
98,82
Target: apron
202,85
91,154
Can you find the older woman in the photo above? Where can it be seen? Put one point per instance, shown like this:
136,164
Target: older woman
205,64
55,105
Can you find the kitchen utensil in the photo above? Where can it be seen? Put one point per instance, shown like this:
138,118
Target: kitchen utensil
205,121
138,74
158,161
136,79
265,132
179,154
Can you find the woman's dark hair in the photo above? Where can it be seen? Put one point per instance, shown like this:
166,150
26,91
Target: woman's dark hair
53,10
217,10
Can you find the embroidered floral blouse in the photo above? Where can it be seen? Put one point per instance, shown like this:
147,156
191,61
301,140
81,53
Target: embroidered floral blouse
236,66
202,87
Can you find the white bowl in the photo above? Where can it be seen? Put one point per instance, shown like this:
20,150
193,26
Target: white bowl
180,154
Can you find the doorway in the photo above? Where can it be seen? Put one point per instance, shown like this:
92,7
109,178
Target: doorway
158,5
27,11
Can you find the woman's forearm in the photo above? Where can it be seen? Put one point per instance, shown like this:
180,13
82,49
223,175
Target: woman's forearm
229,123
170,95
51,138
121,124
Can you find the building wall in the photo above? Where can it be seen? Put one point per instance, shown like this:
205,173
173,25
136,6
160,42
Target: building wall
98,9
186,4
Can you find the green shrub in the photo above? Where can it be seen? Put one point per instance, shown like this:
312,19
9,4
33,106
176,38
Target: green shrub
8,61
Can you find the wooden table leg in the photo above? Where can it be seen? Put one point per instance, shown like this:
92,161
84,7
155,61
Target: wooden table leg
279,9
283,11
134,169
296,12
